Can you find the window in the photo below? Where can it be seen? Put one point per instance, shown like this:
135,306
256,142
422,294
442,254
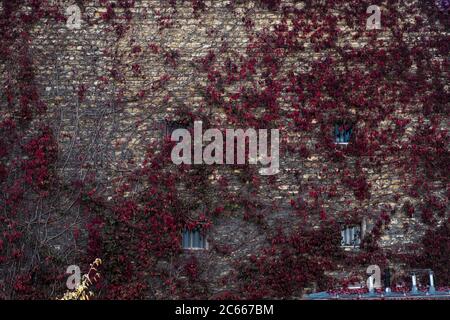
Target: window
351,236
194,240
171,126
342,133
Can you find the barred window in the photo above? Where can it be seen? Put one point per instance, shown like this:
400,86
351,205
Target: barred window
351,236
193,239
170,126
342,133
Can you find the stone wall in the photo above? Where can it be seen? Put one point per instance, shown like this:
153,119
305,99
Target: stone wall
110,121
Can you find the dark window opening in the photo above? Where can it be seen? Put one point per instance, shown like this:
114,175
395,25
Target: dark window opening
342,133
351,236
171,125
194,239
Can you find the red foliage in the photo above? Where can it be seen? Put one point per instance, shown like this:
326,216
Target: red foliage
396,96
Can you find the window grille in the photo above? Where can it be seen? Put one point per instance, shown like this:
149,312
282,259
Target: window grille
351,236
193,240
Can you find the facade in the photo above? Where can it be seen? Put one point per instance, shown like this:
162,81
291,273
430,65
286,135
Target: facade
362,110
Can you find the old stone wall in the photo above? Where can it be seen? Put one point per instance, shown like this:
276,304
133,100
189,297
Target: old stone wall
111,84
